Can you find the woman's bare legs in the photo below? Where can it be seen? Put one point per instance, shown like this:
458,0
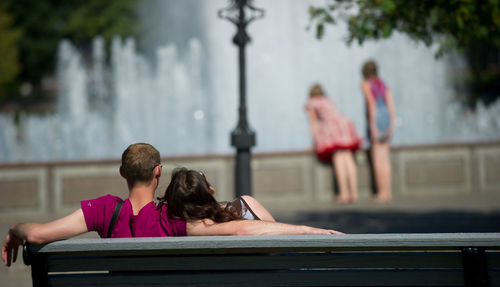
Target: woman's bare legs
338,160
383,172
387,170
347,176
352,176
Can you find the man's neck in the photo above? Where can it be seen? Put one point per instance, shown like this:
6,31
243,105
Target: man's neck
140,196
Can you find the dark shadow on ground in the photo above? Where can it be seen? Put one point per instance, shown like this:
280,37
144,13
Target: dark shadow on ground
401,222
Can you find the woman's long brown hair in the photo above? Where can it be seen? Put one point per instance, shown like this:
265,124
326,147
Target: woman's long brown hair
188,196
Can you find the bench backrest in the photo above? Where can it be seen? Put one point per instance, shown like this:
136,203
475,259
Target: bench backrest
291,260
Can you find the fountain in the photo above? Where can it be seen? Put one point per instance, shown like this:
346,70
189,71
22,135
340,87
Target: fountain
181,94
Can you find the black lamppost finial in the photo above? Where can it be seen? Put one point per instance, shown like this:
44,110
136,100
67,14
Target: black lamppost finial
241,13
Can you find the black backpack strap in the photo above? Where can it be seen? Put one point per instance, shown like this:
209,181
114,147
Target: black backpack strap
118,207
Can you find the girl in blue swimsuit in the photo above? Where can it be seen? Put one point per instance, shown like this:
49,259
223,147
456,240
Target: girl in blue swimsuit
380,114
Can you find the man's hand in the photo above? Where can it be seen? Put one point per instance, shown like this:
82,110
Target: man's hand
10,248
37,233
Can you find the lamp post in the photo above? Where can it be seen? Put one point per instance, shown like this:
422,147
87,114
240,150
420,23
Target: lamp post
241,13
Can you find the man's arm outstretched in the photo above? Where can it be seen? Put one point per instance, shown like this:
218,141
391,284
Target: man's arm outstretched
38,233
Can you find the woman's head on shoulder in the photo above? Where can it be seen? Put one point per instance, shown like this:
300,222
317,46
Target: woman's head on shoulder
189,195
369,70
316,91
187,191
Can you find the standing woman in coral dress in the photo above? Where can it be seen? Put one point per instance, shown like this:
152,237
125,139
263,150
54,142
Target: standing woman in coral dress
335,141
380,114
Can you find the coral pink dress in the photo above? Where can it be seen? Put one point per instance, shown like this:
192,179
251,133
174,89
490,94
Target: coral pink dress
335,130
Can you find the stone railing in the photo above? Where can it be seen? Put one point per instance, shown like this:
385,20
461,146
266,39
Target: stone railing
48,189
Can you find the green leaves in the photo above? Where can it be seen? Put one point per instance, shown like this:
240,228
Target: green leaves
386,30
471,27
464,21
30,36
104,18
388,6
9,65
322,17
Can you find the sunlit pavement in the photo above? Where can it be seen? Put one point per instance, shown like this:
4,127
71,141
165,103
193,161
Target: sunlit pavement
446,213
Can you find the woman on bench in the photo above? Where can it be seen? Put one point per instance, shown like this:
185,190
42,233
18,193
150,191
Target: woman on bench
189,196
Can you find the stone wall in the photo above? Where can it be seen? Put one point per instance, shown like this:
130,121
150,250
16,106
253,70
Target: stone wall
50,189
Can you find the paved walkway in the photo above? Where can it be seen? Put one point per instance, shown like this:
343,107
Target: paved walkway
446,213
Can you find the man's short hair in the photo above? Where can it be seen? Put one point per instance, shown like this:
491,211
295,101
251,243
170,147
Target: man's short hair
138,162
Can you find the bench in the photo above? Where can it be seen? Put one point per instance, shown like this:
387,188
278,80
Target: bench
453,259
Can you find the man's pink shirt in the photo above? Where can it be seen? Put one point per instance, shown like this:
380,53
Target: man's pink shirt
150,222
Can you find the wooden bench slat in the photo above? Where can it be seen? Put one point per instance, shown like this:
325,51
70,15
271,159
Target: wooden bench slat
276,243
493,258
494,276
252,262
313,278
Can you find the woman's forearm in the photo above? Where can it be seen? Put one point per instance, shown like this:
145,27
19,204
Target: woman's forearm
252,227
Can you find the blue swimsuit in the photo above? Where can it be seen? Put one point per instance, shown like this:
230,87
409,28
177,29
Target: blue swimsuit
382,119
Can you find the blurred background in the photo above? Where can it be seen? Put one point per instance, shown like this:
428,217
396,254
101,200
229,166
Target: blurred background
81,80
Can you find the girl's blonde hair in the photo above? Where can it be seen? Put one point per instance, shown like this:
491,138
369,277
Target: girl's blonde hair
316,91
